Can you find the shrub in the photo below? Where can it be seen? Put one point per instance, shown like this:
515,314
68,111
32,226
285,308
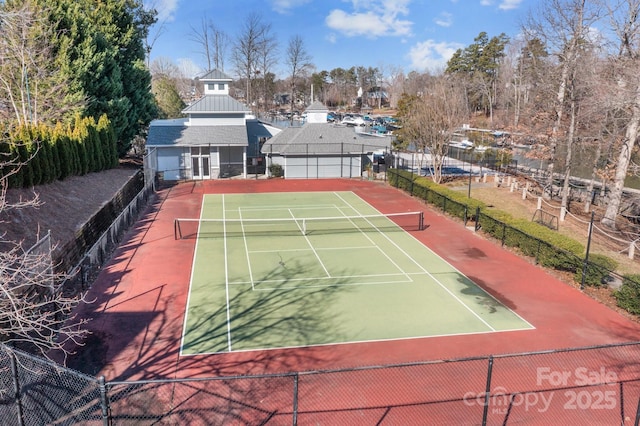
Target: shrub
550,248
598,270
628,296
276,170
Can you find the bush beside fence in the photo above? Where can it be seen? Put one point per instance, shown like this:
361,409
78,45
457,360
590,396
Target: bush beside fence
548,247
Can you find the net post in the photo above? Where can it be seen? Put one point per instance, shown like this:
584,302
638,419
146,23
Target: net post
175,229
421,222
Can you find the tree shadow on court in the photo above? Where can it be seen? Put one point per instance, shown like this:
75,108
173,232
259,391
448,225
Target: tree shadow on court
291,313
148,342
484,295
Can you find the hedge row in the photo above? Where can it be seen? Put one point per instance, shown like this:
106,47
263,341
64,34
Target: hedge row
628,295
550,248
41,154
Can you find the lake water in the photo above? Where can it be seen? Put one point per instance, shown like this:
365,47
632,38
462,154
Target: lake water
582,164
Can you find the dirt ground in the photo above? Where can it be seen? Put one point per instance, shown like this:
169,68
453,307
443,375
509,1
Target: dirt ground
63,206
517,206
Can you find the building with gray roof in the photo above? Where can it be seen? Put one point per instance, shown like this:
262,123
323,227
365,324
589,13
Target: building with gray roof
218,138
319,149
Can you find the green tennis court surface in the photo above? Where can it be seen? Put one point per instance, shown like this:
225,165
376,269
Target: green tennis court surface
283,270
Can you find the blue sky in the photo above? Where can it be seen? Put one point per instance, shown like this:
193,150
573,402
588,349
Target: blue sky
413,35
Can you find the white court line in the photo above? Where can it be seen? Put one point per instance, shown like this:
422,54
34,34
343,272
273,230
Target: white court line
345,277
310,245
470,333
433,277
318,249
369,238
246,249
226,272
458,271
287,207
193,268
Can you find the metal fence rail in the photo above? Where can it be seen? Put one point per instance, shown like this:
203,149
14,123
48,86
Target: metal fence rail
589,385
589,271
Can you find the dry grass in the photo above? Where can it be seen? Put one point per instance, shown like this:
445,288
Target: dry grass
575,226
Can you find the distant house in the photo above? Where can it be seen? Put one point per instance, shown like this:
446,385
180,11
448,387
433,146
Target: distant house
319,149
219,138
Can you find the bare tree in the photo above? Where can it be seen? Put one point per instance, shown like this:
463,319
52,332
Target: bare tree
432,120
34,310
151,39
30,86
624,16
212,41
267,60
564,26
247,48
298,62
394,84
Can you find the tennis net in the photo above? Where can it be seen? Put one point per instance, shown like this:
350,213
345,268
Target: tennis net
215,228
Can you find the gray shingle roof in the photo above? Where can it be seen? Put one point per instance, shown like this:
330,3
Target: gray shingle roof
216,103
215,75
323,139
317,106
181,135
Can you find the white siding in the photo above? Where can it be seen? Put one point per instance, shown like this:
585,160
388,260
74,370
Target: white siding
171,162
319,167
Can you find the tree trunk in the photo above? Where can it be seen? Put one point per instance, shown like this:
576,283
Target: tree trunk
624,159
567,162
594,173
560,97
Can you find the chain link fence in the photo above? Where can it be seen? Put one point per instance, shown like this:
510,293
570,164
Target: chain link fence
588,271
101,236
591,385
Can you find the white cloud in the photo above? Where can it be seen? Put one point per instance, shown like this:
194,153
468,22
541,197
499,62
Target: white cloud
509,4
432,56
372,18
332,38
165,8
445,19
284,6
504,4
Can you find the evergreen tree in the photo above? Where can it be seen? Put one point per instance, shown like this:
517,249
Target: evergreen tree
477,67
108,141
170,104
64,153
79,137
100,51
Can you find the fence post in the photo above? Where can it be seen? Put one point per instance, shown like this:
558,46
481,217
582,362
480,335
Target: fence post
16,388
504,232
295,398
487,392
104,403
620,385
477,224
586,256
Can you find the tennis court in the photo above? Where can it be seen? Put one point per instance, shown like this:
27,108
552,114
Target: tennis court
282,270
